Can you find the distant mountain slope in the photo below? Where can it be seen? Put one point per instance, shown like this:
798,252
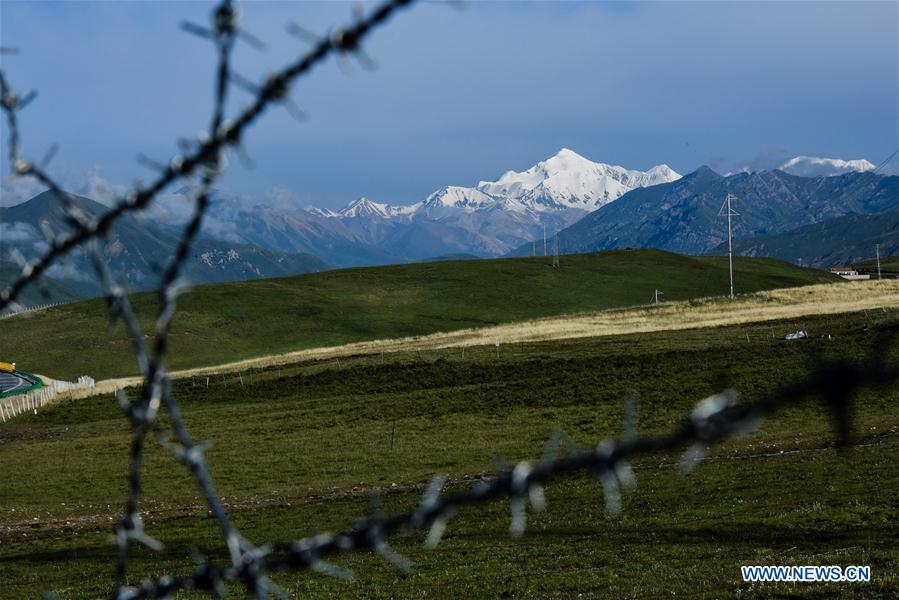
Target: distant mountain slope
137,250
833,242
45,291
227,322
683,216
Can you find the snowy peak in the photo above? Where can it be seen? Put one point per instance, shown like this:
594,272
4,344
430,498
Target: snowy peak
453,196
560,183
568,180
363,207
816,166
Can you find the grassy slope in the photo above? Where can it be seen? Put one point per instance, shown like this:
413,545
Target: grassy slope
887,263
222,323
297,433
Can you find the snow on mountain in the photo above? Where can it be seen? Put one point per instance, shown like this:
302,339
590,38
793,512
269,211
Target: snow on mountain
456,197
322,212
560,183
363,207
495,216
568,180
815,166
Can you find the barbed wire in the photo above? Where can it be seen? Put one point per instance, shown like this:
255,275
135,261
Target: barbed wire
713,420
207,149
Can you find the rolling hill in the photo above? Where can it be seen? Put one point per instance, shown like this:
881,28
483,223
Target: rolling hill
226,322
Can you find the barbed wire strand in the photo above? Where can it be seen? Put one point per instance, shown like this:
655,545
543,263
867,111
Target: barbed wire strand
713,420
716,418
206,158
228,134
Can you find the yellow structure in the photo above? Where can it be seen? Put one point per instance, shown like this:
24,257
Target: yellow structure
8,367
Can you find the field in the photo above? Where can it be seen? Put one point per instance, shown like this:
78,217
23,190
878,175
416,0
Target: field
222,323
300,447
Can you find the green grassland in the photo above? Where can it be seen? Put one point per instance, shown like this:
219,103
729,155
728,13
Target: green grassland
887,264
300,447
221,323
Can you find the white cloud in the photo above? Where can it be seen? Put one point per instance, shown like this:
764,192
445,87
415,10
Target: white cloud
16,190
17,233
68,271
96,187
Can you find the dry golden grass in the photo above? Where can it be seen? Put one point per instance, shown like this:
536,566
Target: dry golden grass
707,312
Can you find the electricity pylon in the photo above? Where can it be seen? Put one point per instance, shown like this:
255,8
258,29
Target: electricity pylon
730,244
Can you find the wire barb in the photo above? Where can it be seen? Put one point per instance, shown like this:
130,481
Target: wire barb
201,162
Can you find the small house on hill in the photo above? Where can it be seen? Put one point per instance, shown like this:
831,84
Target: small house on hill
848,273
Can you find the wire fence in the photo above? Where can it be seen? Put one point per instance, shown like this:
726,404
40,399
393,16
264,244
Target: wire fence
712,420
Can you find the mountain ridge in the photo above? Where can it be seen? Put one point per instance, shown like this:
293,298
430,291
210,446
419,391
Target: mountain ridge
137,249
683,216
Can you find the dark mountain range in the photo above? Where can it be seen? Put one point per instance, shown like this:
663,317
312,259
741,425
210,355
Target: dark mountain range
832,242
683,216
137,249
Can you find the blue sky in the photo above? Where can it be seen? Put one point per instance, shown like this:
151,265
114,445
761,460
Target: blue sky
464,95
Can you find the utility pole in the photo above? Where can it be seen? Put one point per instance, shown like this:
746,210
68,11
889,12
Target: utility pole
877,249
657,294
544,239
730,243
556,249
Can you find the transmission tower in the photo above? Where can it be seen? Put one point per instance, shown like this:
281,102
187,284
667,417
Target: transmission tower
655,299
730,212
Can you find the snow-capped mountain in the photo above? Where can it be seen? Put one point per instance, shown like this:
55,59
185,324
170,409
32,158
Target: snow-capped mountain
363,207
562,182
815,166
568,180
488,219
495,216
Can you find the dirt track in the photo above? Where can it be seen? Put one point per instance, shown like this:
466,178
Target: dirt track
710,312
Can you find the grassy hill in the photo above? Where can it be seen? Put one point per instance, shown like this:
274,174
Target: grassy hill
301,448
889,266
226,322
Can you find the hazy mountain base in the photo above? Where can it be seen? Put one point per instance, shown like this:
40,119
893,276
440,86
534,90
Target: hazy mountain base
45,290
138,250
